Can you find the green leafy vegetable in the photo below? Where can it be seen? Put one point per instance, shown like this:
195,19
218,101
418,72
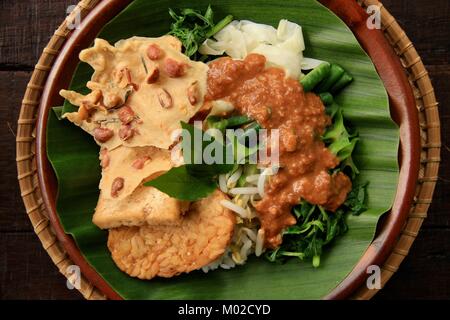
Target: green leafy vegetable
194,153
220,123
195,179
316,228
58,112
355,202
180,184
197,171
192,27
338,139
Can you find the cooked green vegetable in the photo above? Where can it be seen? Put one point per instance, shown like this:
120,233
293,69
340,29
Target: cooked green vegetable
315,76
216,122
336,73
341,83
192,27
316,228
338,139
332,109
326,98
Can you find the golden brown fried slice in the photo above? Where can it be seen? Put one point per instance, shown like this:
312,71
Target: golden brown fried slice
146,205
123,200
166,251
138,96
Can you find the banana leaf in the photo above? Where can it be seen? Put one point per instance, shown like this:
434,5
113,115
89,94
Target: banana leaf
74,157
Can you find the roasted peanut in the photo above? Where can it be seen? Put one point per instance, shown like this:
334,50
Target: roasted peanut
126,114
103,134
153,76
139,163
154,52
173,68
193,93
117,186
104,156
129,79
126,132
165,99
113,101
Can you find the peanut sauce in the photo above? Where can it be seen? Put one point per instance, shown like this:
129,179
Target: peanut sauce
278,102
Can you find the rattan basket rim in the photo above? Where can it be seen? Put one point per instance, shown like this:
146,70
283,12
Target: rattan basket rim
428,174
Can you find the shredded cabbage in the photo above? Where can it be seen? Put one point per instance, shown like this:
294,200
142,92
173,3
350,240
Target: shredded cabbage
283,47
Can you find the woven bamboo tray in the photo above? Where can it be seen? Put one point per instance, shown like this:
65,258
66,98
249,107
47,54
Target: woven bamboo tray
429,158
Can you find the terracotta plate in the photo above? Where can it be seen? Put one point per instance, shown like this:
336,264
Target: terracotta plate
403,111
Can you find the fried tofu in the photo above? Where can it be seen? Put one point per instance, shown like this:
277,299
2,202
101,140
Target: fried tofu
145,206
124,200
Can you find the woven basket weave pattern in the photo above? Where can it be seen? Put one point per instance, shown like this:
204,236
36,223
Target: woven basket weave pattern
429,128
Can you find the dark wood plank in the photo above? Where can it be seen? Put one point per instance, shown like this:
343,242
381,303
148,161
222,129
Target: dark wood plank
26,27
425,273
26,271
427,24
12,212
439,214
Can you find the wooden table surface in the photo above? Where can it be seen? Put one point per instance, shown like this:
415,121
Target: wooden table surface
26,271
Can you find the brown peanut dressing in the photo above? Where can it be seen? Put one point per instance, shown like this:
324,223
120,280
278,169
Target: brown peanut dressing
278,102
